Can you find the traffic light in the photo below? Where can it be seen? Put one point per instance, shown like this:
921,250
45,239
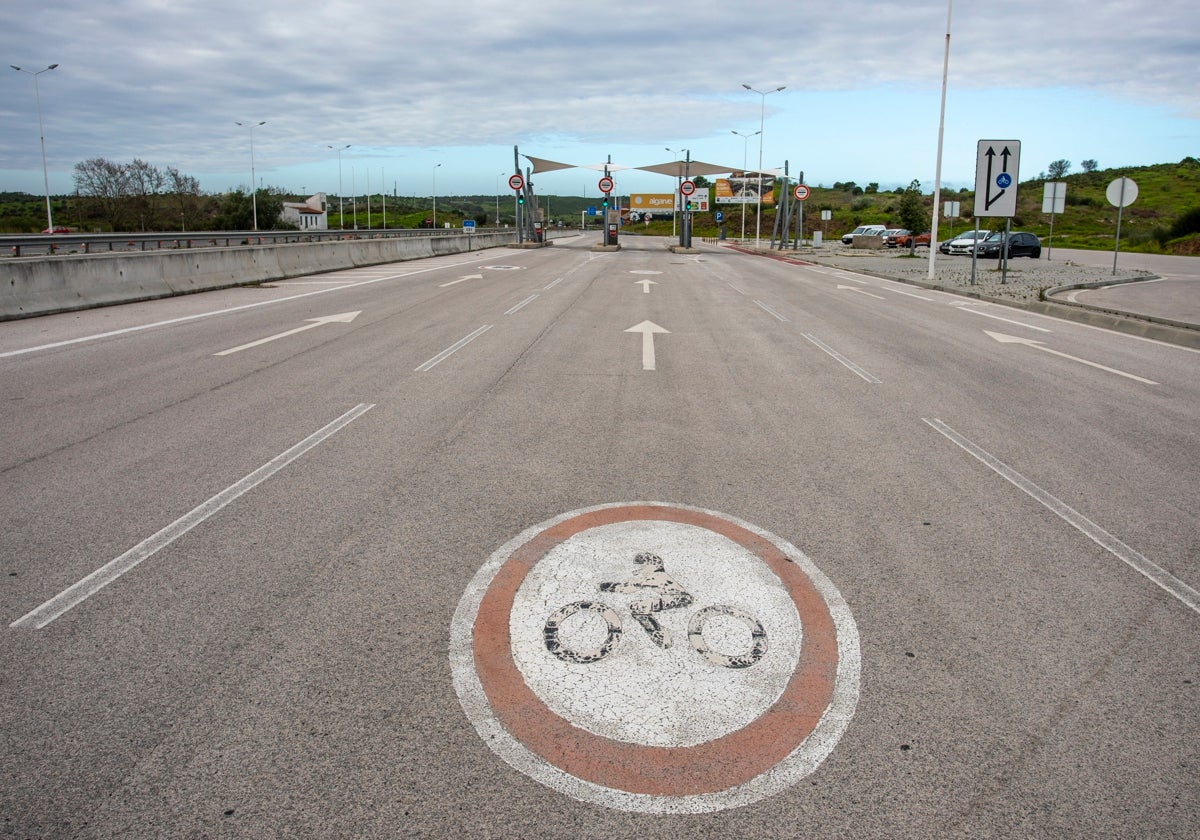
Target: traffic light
606,202
520,198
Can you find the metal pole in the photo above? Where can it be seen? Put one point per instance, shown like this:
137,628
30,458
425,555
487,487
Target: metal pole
745,144
762,115
937,182
37,98
1120,212
253,184
974,242
435,169
1004,252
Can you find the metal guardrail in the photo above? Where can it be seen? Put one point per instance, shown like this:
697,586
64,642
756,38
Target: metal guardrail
76,244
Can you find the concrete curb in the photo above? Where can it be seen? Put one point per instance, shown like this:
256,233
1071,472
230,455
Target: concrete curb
1144,326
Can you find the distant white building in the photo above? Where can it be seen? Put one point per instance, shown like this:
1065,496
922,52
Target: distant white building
308,215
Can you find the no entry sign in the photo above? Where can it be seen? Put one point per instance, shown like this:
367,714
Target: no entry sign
606,184
656,658
515,182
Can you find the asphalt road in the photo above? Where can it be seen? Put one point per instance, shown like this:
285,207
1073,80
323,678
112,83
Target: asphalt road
1013,526
1174,295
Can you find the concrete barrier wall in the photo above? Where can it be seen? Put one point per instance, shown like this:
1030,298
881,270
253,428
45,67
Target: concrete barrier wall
43,285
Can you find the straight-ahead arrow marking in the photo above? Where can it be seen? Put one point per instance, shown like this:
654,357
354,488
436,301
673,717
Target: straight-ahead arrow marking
1029,342
860,291
344,318
646,284
648,329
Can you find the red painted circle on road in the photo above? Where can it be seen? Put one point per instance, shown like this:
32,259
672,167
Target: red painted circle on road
826,674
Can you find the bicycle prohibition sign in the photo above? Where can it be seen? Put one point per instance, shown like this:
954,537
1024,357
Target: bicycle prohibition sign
656,658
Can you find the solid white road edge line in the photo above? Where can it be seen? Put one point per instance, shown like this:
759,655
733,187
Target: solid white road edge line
106,574
198,315
1155,573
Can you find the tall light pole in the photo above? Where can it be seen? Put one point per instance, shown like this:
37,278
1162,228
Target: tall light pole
339,150
42,134
498,177
745,146
937,178
761,120
435,169
253,183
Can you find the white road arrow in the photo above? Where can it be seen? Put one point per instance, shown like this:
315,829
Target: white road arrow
646,284
861,292
1012,339
461,279
648,329
344,318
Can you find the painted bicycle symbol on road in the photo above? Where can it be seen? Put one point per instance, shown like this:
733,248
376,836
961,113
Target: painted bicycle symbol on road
651,578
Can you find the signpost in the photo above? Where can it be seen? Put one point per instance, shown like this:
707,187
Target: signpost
1120,194
610,230
997,164
1054,200
516,182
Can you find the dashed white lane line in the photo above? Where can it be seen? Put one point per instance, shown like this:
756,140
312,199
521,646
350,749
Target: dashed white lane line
452,349
839,357
522,304
1152,571
106,574
771,311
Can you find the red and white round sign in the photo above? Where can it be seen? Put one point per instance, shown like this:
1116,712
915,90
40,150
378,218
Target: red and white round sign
515,182
801,192
687,187
655,658
606,184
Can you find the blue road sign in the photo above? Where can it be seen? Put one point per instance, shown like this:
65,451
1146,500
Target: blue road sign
591,211
1003,180
720,216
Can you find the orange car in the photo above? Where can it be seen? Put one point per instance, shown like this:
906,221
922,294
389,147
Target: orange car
904,239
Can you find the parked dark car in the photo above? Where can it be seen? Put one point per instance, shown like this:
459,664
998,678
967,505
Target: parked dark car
1020,244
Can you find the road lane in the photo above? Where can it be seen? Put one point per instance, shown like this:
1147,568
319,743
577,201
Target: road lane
283,667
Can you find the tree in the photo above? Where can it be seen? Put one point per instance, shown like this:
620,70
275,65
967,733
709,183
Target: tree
701,182
912,210
105,186
872,187
1090,165
1059,168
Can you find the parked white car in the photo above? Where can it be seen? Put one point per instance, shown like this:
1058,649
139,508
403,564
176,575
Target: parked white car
965,244
863,230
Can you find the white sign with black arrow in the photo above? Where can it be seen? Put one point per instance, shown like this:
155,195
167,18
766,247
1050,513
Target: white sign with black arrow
997,166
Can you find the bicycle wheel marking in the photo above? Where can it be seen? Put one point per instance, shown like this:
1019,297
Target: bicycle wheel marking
771,659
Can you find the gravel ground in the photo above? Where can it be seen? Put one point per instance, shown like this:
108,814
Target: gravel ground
1026,278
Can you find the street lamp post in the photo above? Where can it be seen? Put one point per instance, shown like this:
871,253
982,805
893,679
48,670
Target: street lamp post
761,120
498,177
253,189
435,169
42,134
339,150
745,145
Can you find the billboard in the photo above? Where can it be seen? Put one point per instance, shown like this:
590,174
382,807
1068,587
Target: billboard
744,189
663,204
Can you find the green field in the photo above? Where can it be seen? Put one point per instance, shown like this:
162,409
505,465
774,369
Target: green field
1165,218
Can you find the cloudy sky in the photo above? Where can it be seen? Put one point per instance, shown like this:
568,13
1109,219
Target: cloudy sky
412,85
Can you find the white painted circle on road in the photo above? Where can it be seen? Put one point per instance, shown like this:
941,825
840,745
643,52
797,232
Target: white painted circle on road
655,658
